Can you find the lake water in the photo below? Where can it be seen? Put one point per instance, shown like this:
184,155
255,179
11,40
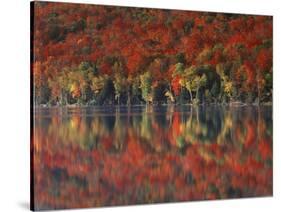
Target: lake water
104,156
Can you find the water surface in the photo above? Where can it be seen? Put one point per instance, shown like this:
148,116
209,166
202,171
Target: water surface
103,156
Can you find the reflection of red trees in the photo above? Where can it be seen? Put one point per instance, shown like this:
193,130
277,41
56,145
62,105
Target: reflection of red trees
142,171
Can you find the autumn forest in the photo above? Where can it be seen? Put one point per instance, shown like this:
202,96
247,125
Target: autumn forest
140,106
103,55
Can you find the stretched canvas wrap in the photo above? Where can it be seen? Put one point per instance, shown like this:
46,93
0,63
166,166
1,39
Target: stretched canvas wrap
138,105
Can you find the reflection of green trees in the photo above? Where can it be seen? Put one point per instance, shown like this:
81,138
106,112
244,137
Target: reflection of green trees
220,125
146,126
85,131
153,125
202,125
119,131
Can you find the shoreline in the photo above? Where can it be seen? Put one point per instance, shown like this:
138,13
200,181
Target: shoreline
231,104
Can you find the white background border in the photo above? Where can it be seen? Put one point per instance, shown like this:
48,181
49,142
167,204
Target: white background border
15,97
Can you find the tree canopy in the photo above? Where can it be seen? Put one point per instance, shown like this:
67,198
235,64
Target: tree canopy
90,54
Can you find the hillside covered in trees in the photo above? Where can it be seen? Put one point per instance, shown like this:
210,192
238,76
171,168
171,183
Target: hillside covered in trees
104,55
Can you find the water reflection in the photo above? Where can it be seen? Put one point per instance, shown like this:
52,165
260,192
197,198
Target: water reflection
90,157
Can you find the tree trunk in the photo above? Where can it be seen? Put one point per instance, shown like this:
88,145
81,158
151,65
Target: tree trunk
197,93
190,94
259,95
259,92
83,95
128,98
65,98
61,98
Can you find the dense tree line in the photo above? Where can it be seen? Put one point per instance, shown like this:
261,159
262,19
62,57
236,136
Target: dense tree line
97,55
